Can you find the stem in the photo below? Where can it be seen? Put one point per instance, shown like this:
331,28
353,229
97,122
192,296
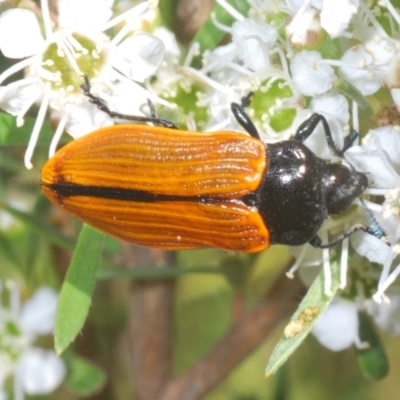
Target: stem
150,325
244,336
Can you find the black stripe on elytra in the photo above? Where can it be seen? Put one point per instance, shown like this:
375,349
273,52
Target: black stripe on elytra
71,189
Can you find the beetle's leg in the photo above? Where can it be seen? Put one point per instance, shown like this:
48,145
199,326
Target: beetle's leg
242,117
99,103
308,127
373,229
378,233
152,109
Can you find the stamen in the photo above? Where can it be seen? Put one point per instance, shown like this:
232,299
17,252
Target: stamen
326,263
219,25
59,131
199,76
36,129
344,260
373,20
284,64
74,45
194,50
64,46
299,260
263,47
27,105
297,21
140,89
17,67
392,11
356,124
228,8
386,279
228,64
44,4
128,17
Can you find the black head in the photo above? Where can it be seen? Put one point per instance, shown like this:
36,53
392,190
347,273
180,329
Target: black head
341,186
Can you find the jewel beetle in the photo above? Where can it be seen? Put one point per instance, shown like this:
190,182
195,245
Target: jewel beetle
161,187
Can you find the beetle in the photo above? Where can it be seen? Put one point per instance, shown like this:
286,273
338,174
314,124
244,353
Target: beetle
161,187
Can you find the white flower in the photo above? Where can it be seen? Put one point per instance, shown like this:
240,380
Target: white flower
336,15
338,327
358,69
56,63
36,371
304,22
253,40
310,76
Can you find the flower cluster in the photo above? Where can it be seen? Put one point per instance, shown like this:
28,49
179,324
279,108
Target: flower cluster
55,64
36,371
301,57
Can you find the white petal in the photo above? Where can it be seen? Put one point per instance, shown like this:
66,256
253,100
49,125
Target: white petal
387,316
371,247
358,74
18,95
396,96
139,56
381,48
309,75
338,326
128,99
367,159
38,313
253,39
332,103
83,15
317,143
85,118
336,15
41,371
169,40
20,34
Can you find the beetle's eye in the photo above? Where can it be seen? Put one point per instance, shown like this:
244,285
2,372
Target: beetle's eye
341,187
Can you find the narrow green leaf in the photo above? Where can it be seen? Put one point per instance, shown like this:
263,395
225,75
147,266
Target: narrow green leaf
350,91
36,224
76,292
372,359
303,320
84,378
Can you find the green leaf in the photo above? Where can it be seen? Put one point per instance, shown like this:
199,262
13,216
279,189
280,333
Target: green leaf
10,134
76,292
350,91
167,10
84,378
373,359
304,319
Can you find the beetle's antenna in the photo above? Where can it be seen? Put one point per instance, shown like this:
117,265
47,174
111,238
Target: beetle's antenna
376,228
99,103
